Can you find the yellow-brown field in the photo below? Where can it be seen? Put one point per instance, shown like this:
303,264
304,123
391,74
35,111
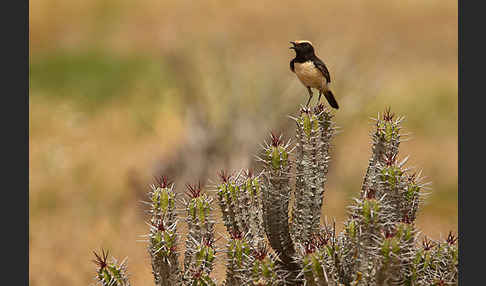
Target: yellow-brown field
123,90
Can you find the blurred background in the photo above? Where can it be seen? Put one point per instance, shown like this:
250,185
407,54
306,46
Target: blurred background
122,91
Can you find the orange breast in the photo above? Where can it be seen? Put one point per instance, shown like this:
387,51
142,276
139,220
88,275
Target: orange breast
309,75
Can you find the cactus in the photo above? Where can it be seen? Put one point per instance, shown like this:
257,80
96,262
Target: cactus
110,273
163,236
314,131
200,252
270,245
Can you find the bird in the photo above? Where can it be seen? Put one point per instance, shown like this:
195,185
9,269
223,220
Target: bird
311,71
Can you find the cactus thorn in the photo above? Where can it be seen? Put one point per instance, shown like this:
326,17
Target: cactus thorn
387,115
101,260
427,244
276,139
193,191
162,181
223,175
451,239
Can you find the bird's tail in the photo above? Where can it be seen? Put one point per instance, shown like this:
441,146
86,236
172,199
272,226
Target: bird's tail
330,98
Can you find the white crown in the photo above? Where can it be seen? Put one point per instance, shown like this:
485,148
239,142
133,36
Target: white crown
303,41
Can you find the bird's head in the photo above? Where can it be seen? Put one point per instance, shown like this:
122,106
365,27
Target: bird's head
302,48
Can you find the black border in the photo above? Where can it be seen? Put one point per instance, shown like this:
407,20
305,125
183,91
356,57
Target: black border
15,123
471,144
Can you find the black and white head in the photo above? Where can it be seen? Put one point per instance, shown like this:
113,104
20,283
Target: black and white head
302,48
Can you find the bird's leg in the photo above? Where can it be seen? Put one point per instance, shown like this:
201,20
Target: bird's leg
310,93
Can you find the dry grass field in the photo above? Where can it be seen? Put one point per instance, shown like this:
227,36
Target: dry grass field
121,91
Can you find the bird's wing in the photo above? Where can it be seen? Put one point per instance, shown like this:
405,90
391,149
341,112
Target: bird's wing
292,65
322,67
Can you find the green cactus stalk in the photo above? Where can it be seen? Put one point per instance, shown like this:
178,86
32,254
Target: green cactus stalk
395,254
276,191
389,197
314,132
238,251
163,236
436,262
264,267
316,258
241,206
368,219
252,188
345,253
228,194
386,140
201,263
200,252
110,273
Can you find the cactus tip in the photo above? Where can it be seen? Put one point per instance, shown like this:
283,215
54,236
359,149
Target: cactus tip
370,194
224,176
159,225
319,108
236,234
389,233
451,239
427,244
101,260
406,219
162,181
390,159
305,110
387,115
260,252
193,191
249,173
276,139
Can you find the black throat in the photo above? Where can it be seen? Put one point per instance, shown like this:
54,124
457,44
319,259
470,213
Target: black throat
303,57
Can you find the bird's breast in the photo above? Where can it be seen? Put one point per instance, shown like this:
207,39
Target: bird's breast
309,75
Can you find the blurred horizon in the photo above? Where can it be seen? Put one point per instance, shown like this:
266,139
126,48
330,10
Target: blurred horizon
122,91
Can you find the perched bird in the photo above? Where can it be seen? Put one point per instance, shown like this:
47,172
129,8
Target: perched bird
311,71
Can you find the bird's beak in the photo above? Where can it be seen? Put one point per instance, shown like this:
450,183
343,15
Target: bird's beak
293,48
